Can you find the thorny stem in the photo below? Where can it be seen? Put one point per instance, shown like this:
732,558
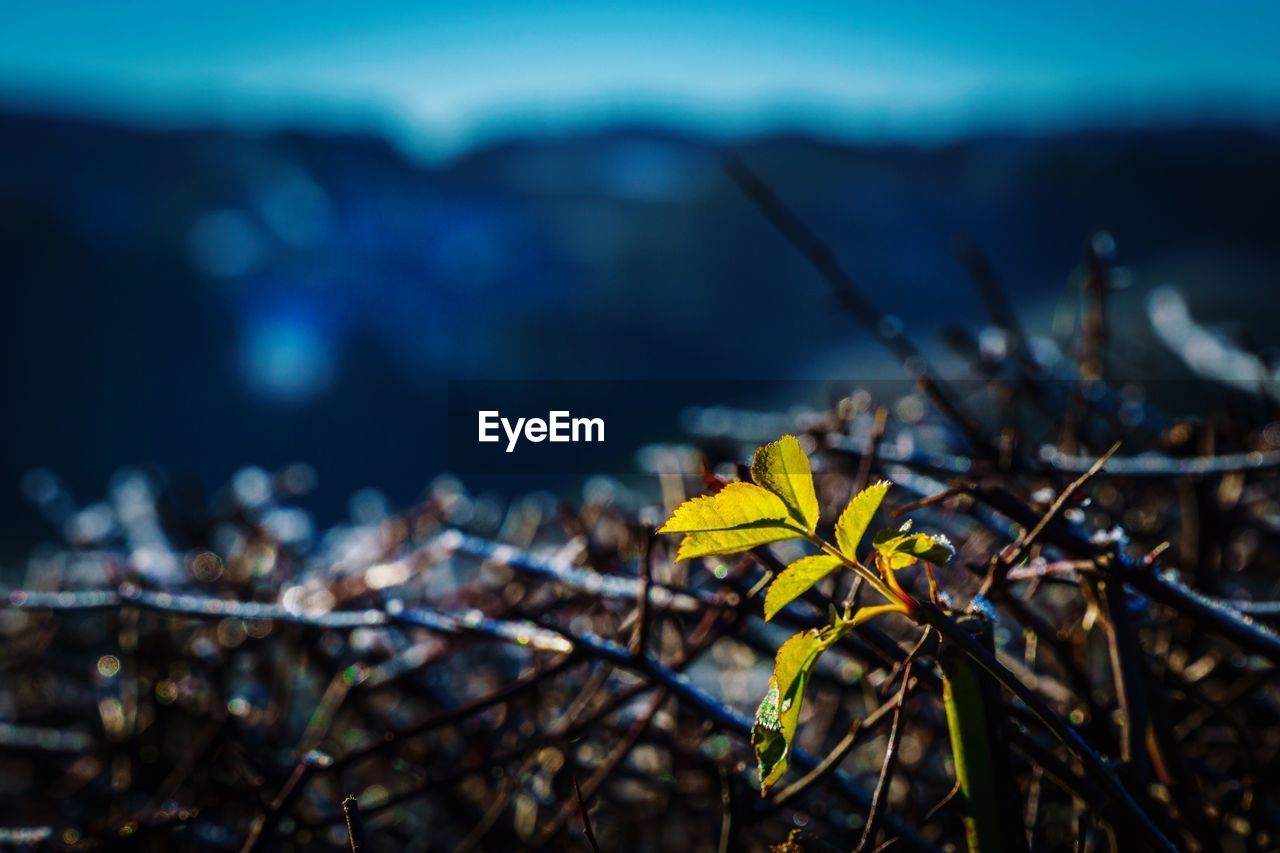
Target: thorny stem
932,616
1093,764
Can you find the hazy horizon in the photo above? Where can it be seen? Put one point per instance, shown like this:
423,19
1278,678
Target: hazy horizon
446,79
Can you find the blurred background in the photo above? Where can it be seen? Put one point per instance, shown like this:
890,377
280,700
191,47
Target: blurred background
268,234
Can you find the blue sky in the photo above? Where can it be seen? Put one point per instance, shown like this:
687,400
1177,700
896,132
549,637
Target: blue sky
447,73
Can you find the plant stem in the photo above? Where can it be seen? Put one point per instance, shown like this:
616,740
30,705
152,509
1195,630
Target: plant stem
1068,736
861,570
973,748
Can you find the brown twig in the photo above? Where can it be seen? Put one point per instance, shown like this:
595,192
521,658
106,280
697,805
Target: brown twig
1001,563
619,752
994,297
640,641
355,824
847,293
930,500
880,800
1093,335
586,818
871,449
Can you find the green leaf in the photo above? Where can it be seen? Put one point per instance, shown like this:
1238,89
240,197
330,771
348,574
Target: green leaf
738,517
783,468
796,579
857,515
767,739
887,540
901,548
779,713
935,549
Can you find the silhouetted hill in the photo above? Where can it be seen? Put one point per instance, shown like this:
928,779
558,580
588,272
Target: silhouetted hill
203,299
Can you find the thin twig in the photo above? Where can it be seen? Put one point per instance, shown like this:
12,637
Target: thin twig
880,799
1144,578
1031,813
942,804
1093,337
615,757
1024,543
263,827
930,500
1155,465
871,449
355,825
846,292
640,641
988,286
726,811
586,818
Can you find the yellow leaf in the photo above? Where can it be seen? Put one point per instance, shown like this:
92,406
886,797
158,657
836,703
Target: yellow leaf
736,505
797,656
779,713
725,542
738,517
796,579
902,548
898,561
857,516
783,468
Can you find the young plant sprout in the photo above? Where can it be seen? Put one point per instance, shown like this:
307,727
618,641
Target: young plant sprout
779,505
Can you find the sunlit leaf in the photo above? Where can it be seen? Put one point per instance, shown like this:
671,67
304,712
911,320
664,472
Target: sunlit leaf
796,579
902,548
738,517
886,540
935,549
779,713
783,468
857,515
